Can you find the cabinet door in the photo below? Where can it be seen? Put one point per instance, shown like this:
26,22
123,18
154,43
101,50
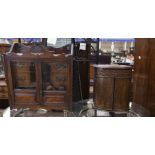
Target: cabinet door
144,76
141,69
151,77
121,96
104,92
54,83
24,83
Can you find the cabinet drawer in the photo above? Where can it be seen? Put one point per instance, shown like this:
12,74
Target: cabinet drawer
3,95
25,98
54,99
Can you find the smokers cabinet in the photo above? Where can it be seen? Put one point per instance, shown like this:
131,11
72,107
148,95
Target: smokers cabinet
39,78
112,87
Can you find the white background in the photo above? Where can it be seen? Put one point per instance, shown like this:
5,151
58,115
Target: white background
77,136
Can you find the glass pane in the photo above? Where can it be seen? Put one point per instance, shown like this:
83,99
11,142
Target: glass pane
30,40
24,76
58,42
54,76
1,66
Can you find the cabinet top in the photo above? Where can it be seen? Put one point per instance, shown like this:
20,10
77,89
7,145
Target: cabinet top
112,66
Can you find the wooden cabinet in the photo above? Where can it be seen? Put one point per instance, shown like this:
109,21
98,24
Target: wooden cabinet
39,78
112,87
144,76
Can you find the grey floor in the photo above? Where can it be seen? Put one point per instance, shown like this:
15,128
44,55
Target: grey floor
79,110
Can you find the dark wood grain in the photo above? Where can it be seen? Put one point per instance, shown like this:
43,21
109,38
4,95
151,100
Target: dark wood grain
104,93
121,94
144,74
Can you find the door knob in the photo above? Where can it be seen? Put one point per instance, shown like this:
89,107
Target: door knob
139,57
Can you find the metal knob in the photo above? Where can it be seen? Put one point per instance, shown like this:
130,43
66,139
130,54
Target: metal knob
139,57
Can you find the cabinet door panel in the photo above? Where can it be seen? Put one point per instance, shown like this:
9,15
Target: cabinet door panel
25,98
54,76
55,99
104,93
140,76
24,83
121,97
24,75
144,75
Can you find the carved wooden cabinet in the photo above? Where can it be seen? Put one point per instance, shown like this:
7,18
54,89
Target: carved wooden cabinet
112,87
3,86
39,78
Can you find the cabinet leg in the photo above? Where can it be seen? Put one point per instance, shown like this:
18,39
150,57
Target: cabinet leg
95,112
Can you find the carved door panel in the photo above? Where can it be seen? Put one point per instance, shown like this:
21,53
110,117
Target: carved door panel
121,96
54,83
24,82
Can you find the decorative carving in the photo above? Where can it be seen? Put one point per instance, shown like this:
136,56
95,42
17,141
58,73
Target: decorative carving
113,73
54,76
23,74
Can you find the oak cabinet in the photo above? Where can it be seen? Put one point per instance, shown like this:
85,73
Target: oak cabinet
112,87
39,78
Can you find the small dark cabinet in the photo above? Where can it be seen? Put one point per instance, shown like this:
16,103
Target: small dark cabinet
39,78
112,87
